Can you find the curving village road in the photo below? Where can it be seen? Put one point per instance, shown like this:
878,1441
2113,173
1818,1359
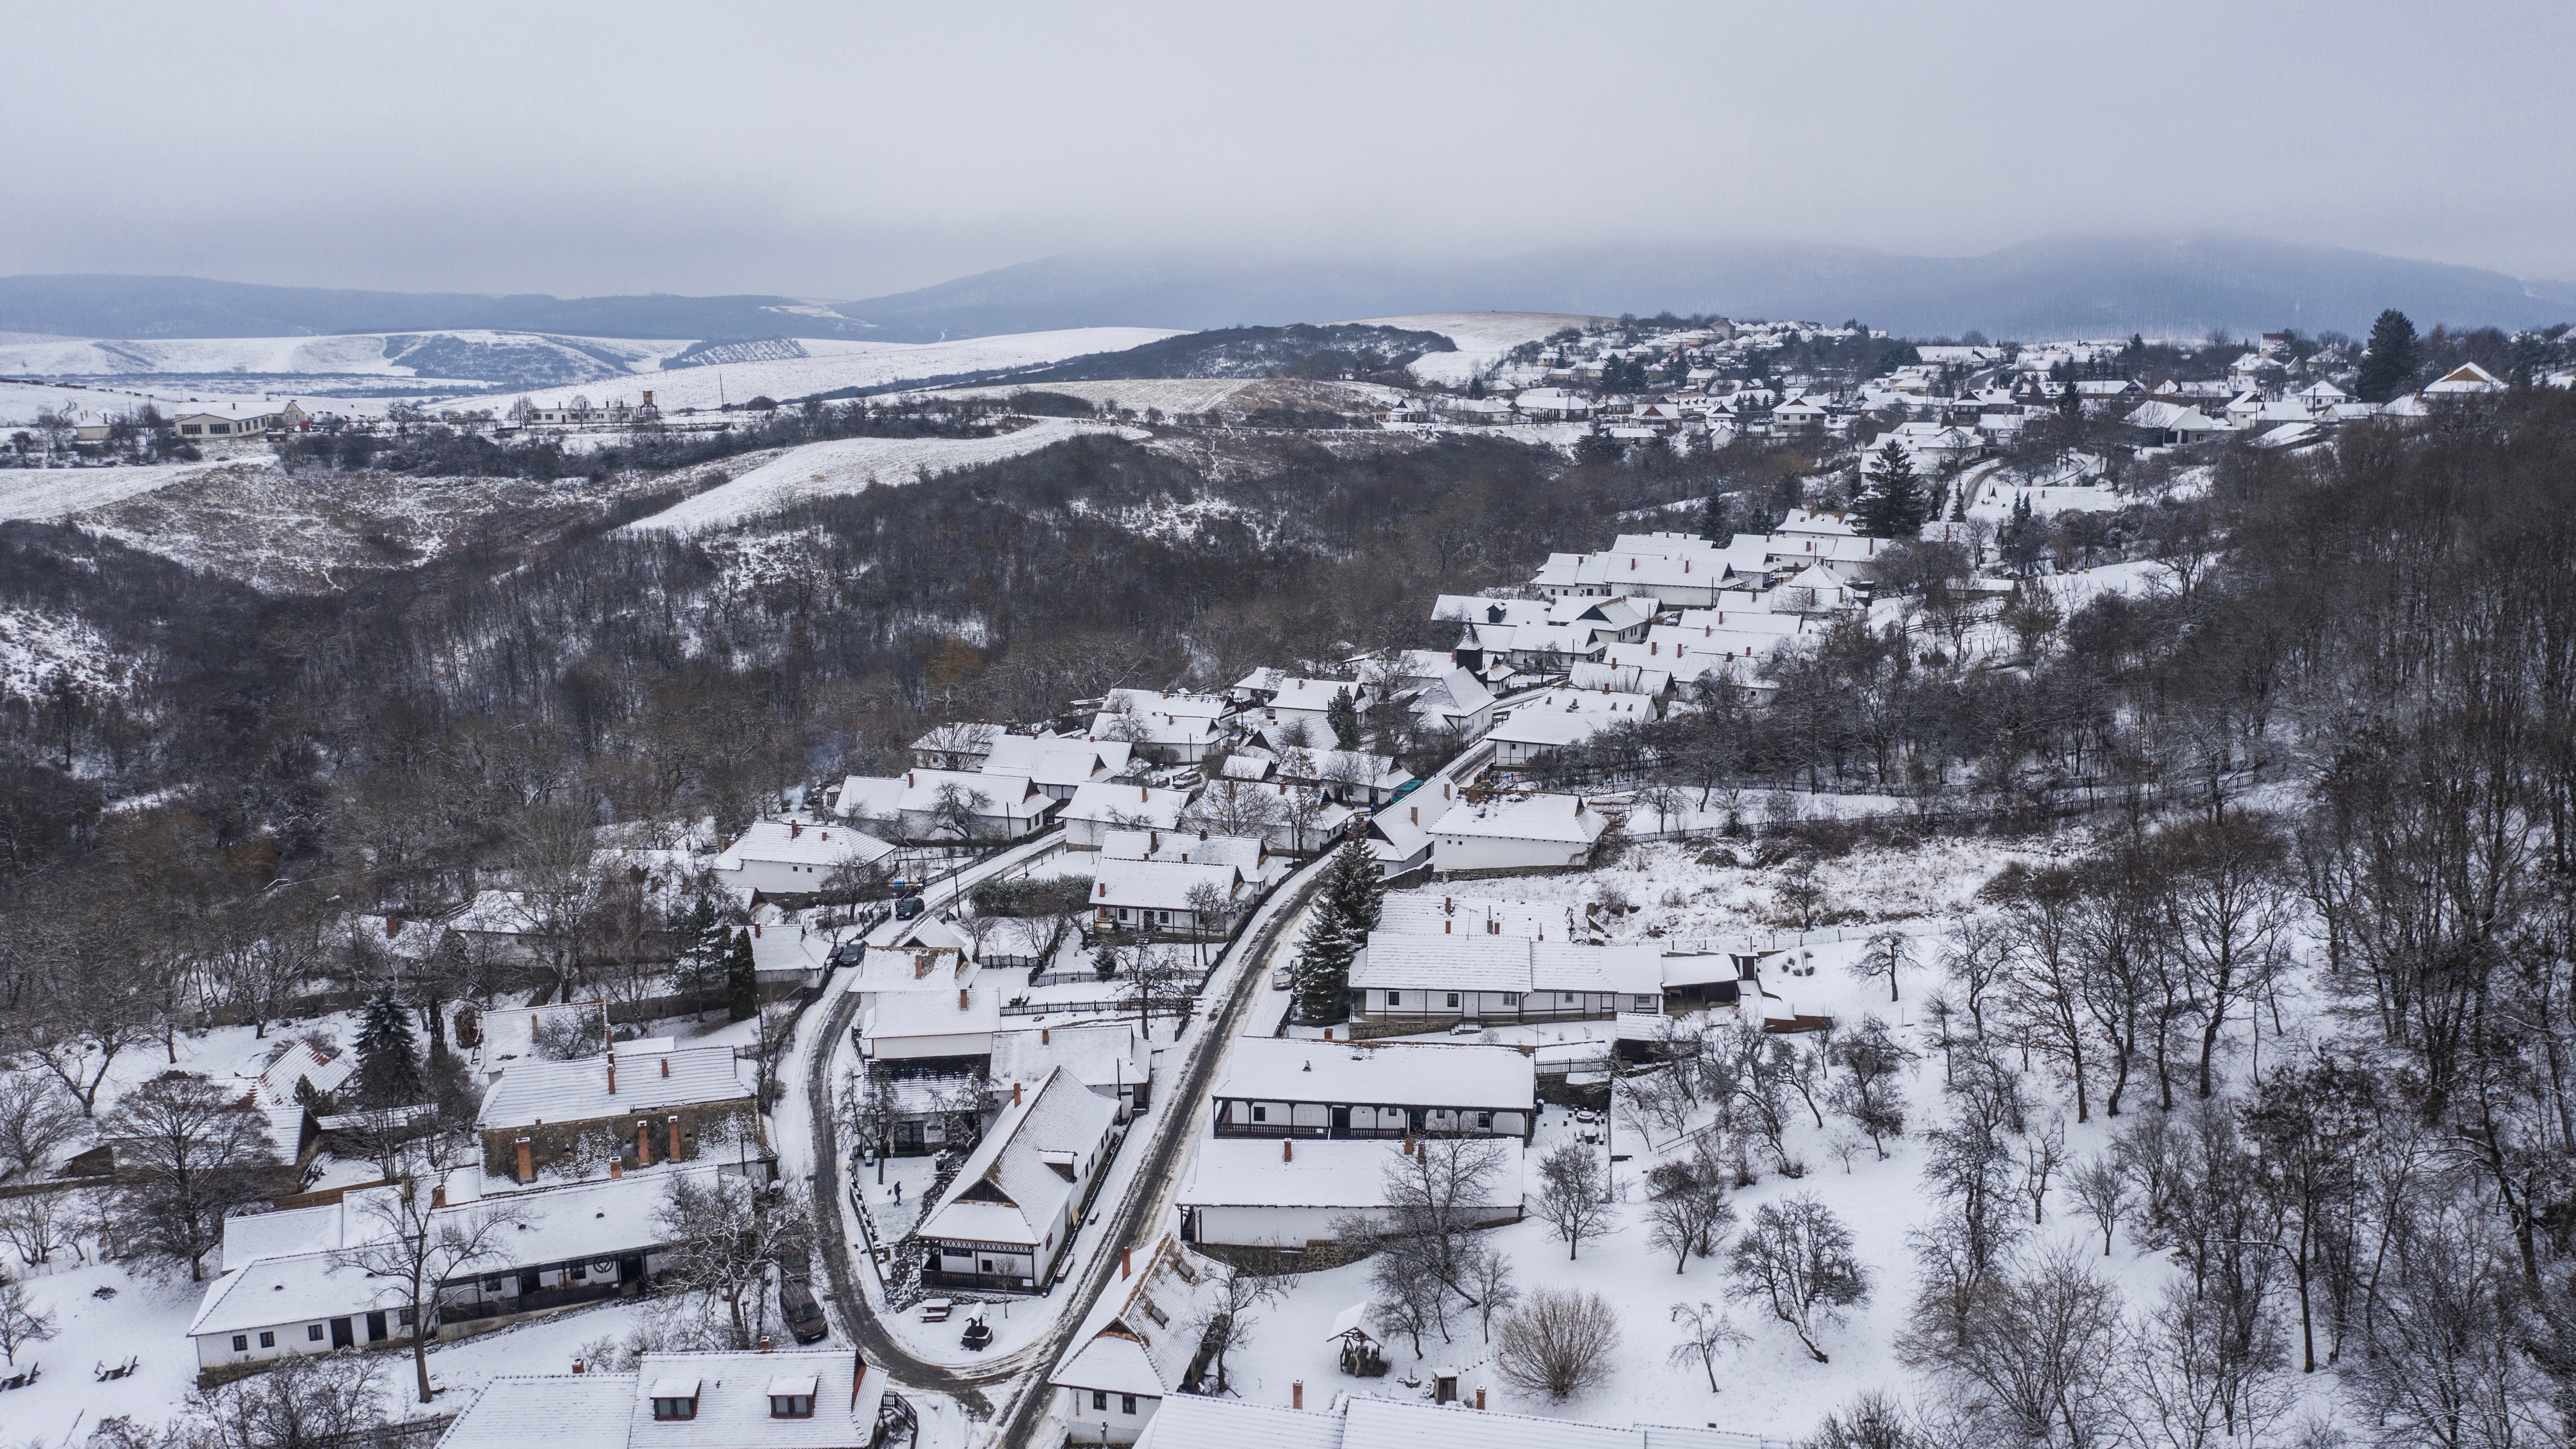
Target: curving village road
1237,982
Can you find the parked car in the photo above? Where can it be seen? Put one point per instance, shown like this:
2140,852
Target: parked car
1281,979
1468,1028
910,907
804,1316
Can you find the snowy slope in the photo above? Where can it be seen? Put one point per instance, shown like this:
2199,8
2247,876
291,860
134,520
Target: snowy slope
50,493
833,363
851,465
1483,338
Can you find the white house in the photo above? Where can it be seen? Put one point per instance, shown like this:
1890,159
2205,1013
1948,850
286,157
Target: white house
923,1032
1180,729
1160,897
822,1398
1430,982
1144,1340
1296,1087
1532,832
1096,810
1533,733
947,805
1058,767
1011,1213
1289,1192
787,857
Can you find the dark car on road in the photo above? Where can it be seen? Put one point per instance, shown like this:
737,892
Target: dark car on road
804,1316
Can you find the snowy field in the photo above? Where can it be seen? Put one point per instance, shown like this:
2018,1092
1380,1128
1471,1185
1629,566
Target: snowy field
20,401
838,364
55,493
1178,395
852,465
1483,338
362,354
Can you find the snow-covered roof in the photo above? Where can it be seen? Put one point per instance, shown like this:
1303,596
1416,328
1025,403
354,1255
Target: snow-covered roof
1191,1421
1556,818
937,1012
496,912
560,1411
1018,1195
1321,1173
796,842
1060,763
299,1062
1143,1334
1157,885
292,1289
1107,1054
732,1389
578,1091
1554,728
1293,1069
1183,846
1127,806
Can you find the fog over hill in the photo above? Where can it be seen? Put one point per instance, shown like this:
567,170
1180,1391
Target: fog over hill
2176,286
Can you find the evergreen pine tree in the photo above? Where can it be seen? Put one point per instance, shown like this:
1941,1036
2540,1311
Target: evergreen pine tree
742,986
1713,522
1346,910
1343,714
1891,506
388,1064
1959,507
2390,363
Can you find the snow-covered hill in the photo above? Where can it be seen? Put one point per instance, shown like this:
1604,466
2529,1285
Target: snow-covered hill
1483,338
448,363
850,465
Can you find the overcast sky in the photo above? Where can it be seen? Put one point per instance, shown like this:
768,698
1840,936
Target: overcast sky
842,151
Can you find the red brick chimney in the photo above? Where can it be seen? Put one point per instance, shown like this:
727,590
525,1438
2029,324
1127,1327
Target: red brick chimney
1287,1149
612,1076
616,1168
961,998
527,1161
438,1196
666,1066
1045,1035
1297,1393
576,1366
1126,1261
1480,1396
643,1144
675,1137
1015,1094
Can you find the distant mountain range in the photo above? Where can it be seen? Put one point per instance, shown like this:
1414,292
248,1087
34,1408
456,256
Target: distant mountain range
2175,287
2092,286
100,305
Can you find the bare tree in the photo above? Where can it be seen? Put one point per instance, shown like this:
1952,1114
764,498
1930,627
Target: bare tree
2102,1190
1559,1342
37,1116
1687,1208
727,1234
308,1401
1572,1195
2042,1154
21,1324
1888,954
1706,1332
2035,1363
1225,1322
418,1245
1797,1258
187,1153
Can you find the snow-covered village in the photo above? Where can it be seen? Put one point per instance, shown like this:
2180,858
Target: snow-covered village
1386,796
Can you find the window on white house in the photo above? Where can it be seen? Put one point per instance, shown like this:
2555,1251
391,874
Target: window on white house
791,1406
268,1340
1453,998
675,1408
1260,1113
1395,998
241,1343
313,1332
1100,1400
1511,998
1126,1403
